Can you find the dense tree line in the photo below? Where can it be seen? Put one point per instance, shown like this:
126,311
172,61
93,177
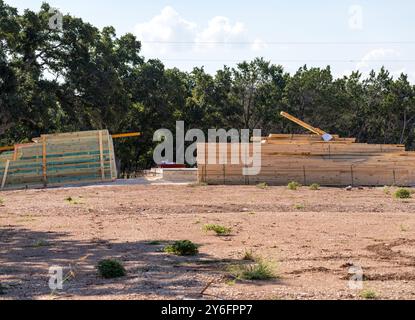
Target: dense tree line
83,78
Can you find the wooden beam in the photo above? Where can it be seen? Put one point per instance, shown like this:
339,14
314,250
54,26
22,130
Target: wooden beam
101,155
6,169
8,148
126,135
303,124
44,161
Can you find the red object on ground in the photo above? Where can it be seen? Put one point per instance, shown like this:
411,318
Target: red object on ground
173,166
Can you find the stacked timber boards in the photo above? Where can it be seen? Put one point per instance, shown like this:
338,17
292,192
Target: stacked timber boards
59,159
307,159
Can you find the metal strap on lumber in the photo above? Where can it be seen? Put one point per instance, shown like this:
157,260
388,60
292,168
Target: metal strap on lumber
6,169
101,155
44,162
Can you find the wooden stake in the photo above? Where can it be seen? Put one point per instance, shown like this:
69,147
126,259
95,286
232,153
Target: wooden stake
6,169
44,161
305,178
15,153
205,177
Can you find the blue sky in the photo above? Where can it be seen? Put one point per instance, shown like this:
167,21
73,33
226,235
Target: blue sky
348,35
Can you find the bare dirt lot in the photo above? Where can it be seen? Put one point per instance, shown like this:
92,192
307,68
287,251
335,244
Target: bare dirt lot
313,237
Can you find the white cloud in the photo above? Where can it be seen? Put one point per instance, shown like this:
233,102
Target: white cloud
373,56
221,29
170,26
167,26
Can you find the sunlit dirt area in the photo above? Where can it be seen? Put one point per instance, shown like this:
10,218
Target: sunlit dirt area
311,239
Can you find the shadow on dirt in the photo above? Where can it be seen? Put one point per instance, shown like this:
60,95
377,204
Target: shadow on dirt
26,256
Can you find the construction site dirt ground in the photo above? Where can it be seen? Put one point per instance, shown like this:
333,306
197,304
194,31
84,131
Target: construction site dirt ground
312,238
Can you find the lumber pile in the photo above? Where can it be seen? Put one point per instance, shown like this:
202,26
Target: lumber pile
307,159
59,159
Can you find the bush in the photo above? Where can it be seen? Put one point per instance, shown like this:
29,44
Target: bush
248,256
110,268
315,186
219,230
41,243
2,290
1,201
182,248
294,185
368,294
260,270
262,185
74,201
402,194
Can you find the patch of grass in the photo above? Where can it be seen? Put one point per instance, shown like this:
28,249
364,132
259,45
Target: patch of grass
386,190
1,202
110,269
182,248
262,185
73,201
368,294
315,187
299,206
404,228
248,256
402,193
293,185
218,229
260,270
154,243
231,282
41,243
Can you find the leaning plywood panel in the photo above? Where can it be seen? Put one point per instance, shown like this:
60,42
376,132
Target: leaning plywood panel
61,159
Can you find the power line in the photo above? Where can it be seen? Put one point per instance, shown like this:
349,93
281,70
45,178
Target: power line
289,60
278,42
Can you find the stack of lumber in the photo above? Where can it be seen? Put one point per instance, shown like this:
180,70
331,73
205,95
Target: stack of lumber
307,159
59,159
